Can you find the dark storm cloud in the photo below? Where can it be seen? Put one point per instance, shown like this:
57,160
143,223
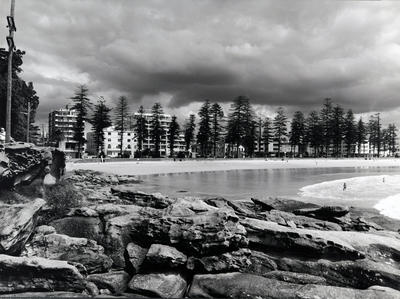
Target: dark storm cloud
293,53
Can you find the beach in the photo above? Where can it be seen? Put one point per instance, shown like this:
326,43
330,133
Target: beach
143,167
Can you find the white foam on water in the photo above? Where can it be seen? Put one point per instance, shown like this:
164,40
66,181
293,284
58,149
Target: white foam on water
390,206
383,189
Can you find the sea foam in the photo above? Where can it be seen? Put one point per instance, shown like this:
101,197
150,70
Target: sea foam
384,190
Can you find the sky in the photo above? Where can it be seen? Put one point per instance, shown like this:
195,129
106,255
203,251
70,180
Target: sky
178,53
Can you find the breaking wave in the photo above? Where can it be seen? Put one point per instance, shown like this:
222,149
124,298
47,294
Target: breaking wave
383,189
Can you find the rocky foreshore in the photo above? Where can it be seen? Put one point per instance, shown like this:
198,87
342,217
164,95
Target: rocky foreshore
123,242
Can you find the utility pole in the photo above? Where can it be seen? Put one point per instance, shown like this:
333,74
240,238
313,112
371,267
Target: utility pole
11,47
28,120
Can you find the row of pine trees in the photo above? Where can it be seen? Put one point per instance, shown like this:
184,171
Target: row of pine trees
332,131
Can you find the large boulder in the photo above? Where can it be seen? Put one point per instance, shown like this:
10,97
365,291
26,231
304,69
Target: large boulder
226,262
164,256
24,274
295,277
198,234
61,247
116,282
139,198
325,212
134,257
345,245
240,285
17,224
166,285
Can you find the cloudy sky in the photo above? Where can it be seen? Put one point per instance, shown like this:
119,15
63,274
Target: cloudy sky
290,53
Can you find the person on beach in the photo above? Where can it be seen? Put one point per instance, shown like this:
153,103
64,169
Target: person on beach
344,186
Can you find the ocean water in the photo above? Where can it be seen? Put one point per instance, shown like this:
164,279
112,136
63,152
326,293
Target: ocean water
377,187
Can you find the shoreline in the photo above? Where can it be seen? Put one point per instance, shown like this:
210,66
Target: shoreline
143,167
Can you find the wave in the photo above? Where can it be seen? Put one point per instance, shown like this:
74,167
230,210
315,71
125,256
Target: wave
384,190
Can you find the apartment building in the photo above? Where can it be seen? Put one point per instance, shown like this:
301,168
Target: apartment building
64,120
165,120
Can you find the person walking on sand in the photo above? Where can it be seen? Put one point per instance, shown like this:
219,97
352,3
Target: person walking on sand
344,186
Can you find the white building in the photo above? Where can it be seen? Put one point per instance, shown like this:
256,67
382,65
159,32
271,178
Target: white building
112,142
64,120
165,120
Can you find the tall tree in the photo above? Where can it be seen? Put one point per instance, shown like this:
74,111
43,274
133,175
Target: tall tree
241,124
190,127
337,129
100,120
121,121
392,132
267,134
375,134
174,130
361,135
326,119
280,128
314,132
350,132
204,133
157,130
56,137
82,105
297,131
216,115
141,128
22,93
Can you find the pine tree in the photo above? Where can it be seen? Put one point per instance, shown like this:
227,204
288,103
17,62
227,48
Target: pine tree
361,135
392,132
190,127
267,134
241,125
100,120
157,131
82,105
140,129
56,137
326,121
297,132
121,121
314,132
174,130
280,128
204,133
216,115
337,129
350,132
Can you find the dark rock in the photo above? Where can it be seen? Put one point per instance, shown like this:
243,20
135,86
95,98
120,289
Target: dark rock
130,193
166,285
294,221
315,243
80,227
326,212
226,262
23,274
92,289
286,205
295,277
356,274
134,257
198,234
163,256
17,224
61,247
116,282
240,285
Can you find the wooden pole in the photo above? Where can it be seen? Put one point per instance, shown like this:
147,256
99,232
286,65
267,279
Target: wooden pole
9,78
28,120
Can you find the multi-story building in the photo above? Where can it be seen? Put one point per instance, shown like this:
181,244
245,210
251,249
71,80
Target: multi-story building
62,121
112,143
165,120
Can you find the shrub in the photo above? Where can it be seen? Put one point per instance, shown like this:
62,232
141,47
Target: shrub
61,197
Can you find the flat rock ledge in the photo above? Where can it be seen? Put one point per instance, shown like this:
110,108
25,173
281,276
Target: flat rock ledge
123,242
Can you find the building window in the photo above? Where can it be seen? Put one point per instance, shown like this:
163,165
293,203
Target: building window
109,146
129,140
109,133
129,134
109,139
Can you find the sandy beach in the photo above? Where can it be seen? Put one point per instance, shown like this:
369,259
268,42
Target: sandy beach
168,166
